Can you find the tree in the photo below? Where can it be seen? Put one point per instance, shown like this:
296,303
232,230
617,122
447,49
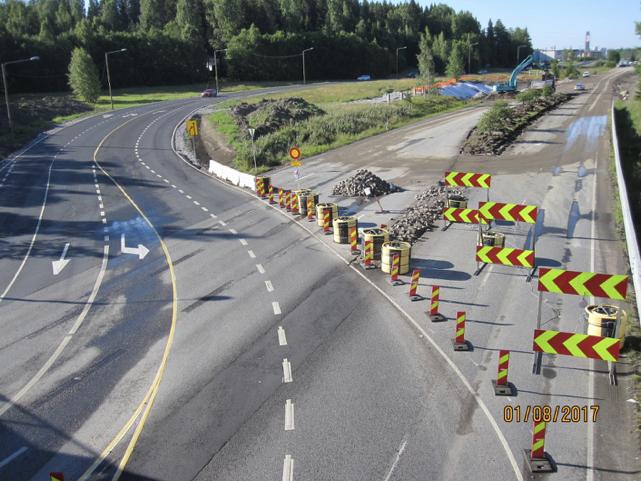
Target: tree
425,58
83,76
152,14
556,70
189,18
93,9
456,61
614,56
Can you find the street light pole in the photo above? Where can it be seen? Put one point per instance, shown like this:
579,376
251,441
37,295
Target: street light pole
111,99
6,87
399,48
216,66
469,57
518,50
306,50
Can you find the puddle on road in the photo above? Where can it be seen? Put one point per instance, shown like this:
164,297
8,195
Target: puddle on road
591,128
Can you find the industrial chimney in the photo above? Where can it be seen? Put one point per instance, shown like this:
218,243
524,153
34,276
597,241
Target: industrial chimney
586,53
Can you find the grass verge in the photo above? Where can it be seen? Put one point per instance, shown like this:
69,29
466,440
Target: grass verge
342,123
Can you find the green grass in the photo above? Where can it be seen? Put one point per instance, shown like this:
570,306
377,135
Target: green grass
342,124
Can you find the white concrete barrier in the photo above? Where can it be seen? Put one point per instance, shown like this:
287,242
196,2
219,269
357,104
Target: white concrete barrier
232,175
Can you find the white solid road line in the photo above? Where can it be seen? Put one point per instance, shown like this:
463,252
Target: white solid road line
54,357
288,468
282,338
269,286
260,268
287,371
8,459
289,415
251,254
397,459
276,307
35,233
243,242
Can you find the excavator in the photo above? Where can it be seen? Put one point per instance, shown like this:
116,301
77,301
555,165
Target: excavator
510,86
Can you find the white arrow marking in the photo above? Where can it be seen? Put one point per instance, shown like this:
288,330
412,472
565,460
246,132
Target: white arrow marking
141,251
129,115
106,116
60,264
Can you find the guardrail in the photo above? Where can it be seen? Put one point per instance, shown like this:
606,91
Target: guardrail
628,224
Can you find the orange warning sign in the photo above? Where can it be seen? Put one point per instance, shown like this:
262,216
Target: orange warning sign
295,153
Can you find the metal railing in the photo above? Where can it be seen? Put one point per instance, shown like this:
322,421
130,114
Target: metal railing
628,223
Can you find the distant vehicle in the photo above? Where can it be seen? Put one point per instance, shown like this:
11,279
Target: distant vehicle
412,74
579,86
483,71
586,74
364,77
208,93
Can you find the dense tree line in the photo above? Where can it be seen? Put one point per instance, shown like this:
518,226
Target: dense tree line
169,41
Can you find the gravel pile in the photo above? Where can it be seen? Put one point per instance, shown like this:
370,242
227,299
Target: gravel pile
355,185
422,215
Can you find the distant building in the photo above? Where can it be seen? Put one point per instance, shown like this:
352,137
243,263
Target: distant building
586,50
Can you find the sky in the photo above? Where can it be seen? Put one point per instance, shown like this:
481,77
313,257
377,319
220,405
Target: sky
561,23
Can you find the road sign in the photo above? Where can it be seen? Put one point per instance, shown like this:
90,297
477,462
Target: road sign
295,163
509,212
468,179
583,283
295,153
506,256
576,345
192,127
465,216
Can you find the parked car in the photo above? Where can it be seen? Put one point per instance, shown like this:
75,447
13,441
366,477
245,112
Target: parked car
364,77
586,74
579,86
483,71
209,93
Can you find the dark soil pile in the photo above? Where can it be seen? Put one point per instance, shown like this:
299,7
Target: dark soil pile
268,116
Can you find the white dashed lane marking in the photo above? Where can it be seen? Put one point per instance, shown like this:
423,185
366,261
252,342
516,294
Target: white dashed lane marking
269,286
282,338
260,268
243,242
276,307
287,371
251,254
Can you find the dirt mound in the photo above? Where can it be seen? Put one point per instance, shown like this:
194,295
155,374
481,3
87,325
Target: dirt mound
422,215
511,125
268,116
355,185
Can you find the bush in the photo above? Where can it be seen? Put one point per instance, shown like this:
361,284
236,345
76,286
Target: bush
547,91
528,96
496,118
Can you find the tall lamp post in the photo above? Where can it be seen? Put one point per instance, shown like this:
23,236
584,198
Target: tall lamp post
399,48
469,57
518,51
252,132
306,50
6,87
111,99
216,66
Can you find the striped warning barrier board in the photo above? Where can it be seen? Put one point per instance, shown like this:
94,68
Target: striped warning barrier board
463,216
506,256
508,212
468,179
583,283
576,345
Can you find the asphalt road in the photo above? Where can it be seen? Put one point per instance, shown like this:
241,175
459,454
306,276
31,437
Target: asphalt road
175,366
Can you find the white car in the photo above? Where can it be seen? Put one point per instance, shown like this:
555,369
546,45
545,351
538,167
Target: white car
586,74
579,86
364,77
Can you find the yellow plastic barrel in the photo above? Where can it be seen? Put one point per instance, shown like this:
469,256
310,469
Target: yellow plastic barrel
403,249
457,201
378,237
341,229
266,182
303,195
492,239
602,320
320,209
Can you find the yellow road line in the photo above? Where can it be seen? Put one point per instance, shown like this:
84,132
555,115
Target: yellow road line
147,402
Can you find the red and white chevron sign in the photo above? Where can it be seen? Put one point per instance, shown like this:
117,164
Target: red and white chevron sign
508,212
506,256
468,179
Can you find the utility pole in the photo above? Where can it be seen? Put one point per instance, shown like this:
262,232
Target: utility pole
518,51
469,57
111,99
306,50
216,66
6,87
399,48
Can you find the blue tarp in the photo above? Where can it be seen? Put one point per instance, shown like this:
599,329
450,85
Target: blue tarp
465,90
